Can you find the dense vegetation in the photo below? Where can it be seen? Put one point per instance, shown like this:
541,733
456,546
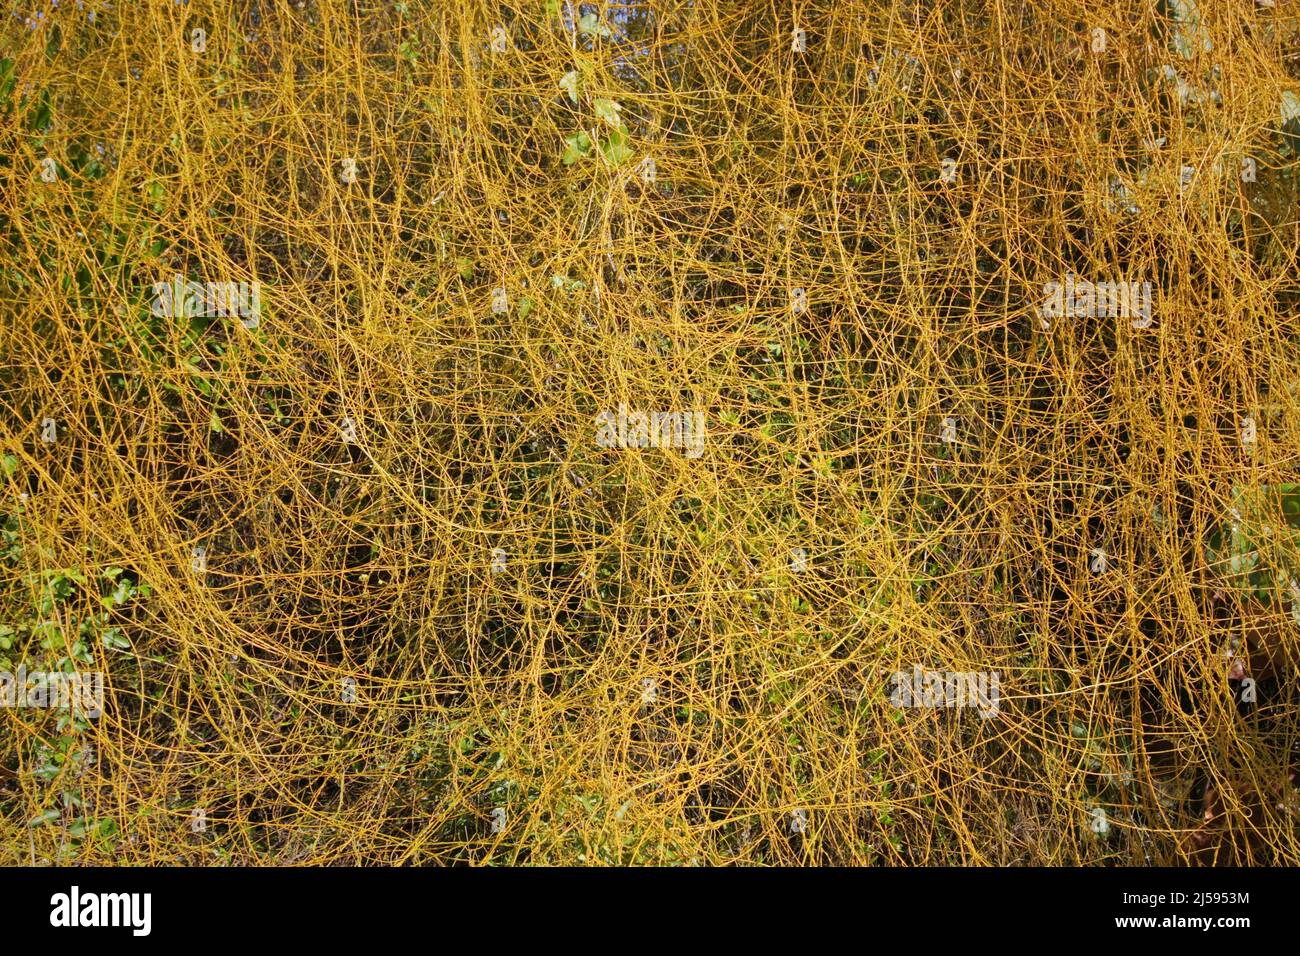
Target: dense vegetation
364,585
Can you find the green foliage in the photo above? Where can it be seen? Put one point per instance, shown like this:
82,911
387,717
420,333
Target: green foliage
1258,547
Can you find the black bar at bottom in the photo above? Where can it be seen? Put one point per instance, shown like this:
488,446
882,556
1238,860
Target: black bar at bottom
339,906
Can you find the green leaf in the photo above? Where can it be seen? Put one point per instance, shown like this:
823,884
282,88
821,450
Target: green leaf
157,192
589,25
7,80
43,117
575,148
49,816
607,110
114,640
1190,34
615,148
569,83
122,593
525,307
1289,107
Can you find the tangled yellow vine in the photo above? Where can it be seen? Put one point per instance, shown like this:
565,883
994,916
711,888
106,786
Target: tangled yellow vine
690,432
